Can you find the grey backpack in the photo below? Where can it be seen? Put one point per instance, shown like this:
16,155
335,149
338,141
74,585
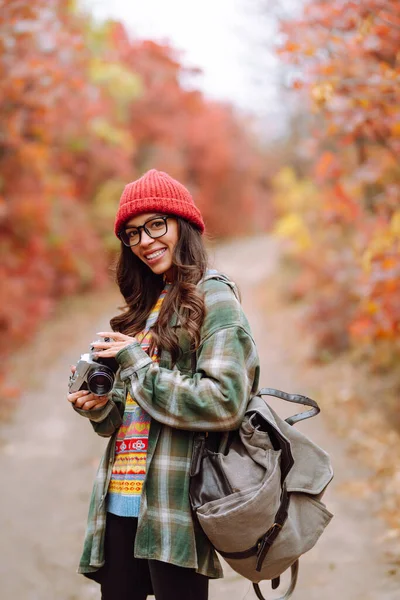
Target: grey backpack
257,496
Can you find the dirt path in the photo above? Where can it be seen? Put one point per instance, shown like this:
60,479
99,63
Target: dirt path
48,458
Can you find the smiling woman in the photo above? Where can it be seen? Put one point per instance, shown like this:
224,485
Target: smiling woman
146,243
187,362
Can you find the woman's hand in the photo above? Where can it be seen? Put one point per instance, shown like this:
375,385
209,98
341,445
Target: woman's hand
86,400
111,349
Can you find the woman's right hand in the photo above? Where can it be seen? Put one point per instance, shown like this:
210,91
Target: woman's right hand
85,400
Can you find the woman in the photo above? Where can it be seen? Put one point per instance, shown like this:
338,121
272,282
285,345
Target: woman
187,363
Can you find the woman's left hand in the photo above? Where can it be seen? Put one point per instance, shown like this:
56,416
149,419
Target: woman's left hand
110,349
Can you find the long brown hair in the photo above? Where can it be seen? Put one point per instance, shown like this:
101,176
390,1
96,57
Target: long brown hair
141,288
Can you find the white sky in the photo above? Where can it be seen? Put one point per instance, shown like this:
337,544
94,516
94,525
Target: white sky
225,38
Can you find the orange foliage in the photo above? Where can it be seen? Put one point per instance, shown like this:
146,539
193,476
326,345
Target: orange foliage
83,110
348,61
44,102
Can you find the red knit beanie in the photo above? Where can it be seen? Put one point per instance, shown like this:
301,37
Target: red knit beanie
157,191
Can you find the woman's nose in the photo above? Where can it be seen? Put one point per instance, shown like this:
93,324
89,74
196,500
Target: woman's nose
145,239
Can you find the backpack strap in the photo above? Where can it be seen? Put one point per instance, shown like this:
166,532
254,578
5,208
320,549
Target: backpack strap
293,580
297,399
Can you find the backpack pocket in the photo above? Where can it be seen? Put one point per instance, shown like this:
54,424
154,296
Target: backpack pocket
233,523
306,521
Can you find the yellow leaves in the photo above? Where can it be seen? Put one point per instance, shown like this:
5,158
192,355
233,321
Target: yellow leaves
366,25
285,179
77,143
112,135
103,211
369,254
293,227
97,36
294,198
371,307
120,82
73,7
395,224
381,262
363,102
322,93
292,194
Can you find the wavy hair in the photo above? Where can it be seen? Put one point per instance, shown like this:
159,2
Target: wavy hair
141,288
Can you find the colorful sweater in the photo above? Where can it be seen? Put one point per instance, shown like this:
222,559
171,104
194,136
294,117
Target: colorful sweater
129,469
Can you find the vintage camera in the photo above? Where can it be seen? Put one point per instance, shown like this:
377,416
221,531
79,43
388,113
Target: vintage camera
94,374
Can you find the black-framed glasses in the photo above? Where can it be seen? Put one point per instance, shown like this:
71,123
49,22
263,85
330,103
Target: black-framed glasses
155,227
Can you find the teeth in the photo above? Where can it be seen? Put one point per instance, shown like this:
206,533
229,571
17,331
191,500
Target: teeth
155,254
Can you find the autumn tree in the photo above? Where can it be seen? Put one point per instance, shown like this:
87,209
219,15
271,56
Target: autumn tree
83,110
347,63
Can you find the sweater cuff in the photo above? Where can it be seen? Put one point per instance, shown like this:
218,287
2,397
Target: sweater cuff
131,359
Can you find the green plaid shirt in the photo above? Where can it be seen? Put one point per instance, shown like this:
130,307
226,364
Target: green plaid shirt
180,403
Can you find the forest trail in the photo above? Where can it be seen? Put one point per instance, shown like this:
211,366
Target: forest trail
48,459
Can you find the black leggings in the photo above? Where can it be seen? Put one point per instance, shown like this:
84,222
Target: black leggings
124,577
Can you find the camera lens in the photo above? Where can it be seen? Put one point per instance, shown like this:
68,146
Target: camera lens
100,381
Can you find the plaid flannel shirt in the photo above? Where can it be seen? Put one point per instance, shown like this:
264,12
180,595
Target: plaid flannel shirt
180,402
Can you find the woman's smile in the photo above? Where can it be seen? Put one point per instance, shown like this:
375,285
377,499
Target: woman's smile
155,255
156,252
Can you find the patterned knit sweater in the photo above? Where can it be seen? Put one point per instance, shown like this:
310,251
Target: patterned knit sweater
129,469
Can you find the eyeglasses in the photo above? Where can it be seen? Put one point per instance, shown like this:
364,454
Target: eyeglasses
155,227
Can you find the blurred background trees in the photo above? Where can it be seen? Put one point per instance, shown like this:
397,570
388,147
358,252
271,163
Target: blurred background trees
337,198
343,211
84,110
